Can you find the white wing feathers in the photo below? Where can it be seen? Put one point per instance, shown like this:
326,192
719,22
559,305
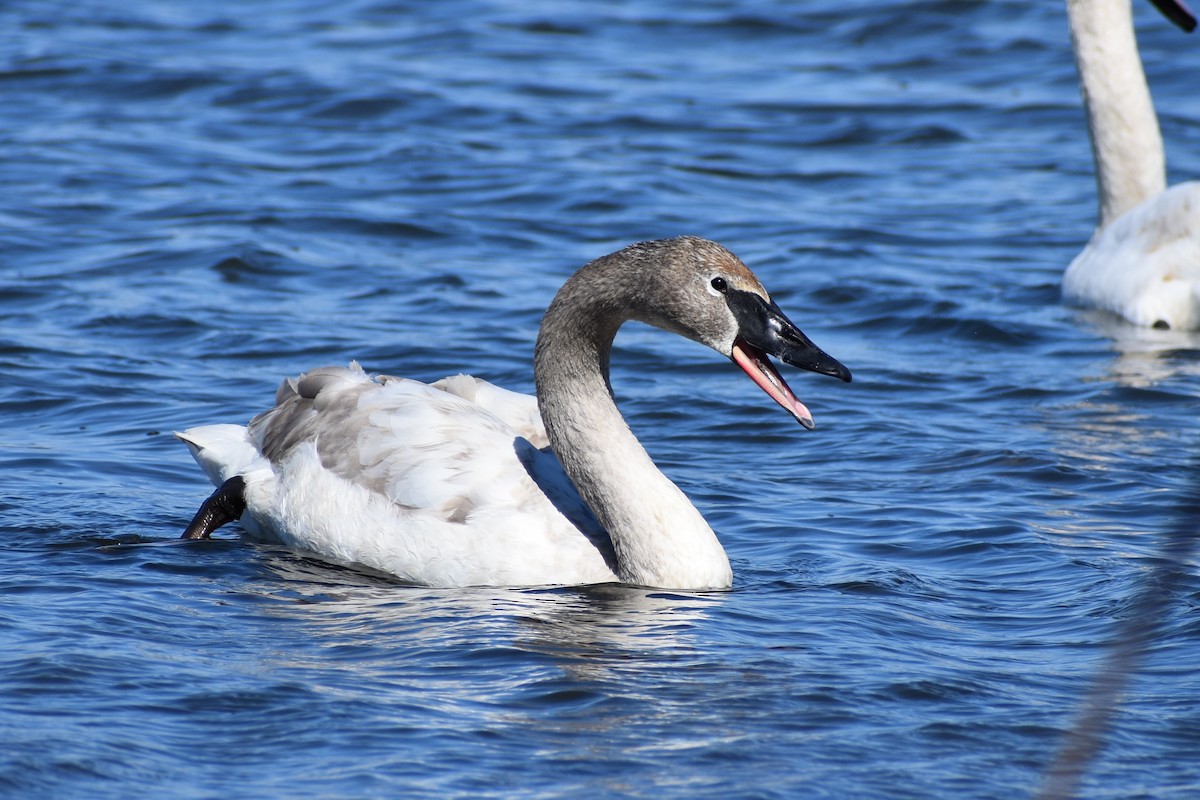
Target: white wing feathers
415,479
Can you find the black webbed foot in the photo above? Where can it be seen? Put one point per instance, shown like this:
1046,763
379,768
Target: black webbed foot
224,505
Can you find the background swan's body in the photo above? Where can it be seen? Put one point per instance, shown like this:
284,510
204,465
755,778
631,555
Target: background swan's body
1145,265
453,484
1143,261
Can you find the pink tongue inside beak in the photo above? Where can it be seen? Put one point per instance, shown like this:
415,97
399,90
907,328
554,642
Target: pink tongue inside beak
755,364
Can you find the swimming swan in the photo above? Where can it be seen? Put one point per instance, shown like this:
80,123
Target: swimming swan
1143,261
453,484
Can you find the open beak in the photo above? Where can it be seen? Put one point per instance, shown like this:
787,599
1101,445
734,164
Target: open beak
765,331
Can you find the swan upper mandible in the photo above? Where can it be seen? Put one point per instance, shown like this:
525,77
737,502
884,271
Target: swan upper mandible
462,483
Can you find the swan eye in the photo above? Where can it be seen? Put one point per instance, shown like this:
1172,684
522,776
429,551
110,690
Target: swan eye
720,285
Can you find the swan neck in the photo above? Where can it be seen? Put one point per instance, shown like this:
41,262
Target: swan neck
1127,145
659,538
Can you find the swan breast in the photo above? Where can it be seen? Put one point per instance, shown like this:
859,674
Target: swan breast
1145,265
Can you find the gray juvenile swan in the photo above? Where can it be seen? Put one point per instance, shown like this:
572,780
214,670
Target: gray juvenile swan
457,483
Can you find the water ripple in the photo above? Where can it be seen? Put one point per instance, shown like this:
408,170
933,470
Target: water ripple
199,201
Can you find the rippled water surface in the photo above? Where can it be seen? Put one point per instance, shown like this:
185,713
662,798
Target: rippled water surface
197,199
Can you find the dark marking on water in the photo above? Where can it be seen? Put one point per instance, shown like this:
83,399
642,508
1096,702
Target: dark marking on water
1085,741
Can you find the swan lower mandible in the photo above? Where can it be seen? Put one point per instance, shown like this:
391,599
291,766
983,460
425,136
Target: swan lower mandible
462,483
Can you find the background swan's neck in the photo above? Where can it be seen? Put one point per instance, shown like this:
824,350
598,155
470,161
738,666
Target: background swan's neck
1126,142
659,537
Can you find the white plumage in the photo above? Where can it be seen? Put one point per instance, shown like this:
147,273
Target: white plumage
453,483
413,479
1143,261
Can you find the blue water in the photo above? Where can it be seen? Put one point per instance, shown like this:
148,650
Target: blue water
197,199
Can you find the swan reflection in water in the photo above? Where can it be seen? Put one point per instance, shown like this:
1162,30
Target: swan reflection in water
611,622
1145,357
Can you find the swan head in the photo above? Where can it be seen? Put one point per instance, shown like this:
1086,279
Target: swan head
701,290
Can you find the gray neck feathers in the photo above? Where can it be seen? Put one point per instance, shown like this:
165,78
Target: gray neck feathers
658,536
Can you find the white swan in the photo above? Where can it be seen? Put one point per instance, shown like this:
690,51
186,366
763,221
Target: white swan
452,483
1143,261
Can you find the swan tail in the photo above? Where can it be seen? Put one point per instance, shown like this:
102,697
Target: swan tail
222,451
